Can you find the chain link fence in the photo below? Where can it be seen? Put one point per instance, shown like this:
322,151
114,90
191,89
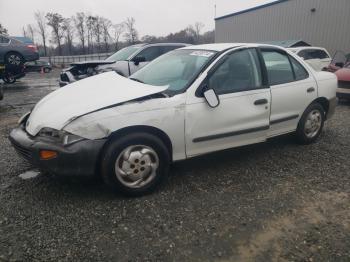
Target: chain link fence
63,61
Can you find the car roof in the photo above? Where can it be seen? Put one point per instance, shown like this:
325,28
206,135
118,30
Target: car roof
224,46
167,44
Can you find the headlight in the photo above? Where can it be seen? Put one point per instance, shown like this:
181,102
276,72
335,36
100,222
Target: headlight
59,136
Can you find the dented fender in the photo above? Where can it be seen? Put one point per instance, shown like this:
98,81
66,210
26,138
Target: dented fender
166,114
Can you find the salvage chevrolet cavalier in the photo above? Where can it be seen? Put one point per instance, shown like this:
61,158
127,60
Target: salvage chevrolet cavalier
189,102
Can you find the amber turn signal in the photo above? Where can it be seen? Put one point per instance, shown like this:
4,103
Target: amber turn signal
47,154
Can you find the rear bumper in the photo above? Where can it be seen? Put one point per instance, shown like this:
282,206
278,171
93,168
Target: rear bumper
79,159
31,57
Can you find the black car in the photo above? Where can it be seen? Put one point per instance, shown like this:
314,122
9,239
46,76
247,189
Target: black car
38,66
10,73
125,62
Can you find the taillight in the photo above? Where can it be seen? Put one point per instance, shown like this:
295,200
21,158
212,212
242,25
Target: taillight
33,48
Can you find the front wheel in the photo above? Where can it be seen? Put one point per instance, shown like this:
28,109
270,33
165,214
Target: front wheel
311,124
135,164
9,78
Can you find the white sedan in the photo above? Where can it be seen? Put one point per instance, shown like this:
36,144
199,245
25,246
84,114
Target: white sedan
189,102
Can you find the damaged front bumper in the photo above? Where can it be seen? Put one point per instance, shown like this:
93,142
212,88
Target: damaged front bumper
78,159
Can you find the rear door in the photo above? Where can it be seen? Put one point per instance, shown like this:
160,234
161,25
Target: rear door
292,86
242,116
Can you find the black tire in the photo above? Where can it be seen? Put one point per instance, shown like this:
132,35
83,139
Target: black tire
14,58
301,135
116,147
9,79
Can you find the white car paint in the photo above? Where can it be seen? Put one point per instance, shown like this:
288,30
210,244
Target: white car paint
87,95
318,64
183,117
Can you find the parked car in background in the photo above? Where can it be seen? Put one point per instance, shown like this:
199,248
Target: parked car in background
189,102
15,52
343,75
125,62
317,57
38,66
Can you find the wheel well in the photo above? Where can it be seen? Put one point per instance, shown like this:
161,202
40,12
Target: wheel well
323,102
145,129
13,52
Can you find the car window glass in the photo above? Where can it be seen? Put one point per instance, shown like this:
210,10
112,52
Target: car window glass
4,40
299,70
278,67
313,54
239,72
150,53
166,49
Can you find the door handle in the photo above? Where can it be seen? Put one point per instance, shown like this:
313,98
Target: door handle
311,89
261,102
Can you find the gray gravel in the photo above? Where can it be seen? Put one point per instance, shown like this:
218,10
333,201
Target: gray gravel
276,201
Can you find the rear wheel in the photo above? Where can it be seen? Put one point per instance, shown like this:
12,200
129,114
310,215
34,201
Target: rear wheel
135,164
14,58
311,124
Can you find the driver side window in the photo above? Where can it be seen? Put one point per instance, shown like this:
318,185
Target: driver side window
239,72
150,53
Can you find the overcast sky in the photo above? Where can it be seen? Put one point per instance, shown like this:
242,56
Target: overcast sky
153,17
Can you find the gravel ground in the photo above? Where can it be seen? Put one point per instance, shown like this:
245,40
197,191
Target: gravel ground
276,201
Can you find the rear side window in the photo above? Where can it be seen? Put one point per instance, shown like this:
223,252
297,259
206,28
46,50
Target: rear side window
4,40
313,54
299,70
278,67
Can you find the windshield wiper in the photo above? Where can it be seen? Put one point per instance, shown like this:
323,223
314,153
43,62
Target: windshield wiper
137,80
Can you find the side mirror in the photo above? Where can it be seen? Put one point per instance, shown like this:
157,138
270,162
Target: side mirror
139,59
212,98
340,64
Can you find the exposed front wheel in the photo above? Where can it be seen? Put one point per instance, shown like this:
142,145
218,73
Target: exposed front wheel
135,164
311,124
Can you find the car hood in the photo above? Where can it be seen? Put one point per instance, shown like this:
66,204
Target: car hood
343,74
92,63
95,93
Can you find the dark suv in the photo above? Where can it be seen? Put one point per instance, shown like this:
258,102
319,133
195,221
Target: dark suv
125,62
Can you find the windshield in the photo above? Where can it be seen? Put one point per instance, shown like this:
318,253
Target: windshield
123,54
175,69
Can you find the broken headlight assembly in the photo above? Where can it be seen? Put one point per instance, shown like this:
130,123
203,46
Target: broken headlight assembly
59,136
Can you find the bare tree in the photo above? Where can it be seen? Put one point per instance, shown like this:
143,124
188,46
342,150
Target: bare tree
198,27
90,21
79,21
55,21
106,25
24,31
42,28
98,31
3,30
68,33
195,31
131,34
30,32
118,30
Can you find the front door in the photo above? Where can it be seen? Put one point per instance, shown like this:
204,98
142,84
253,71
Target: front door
241,118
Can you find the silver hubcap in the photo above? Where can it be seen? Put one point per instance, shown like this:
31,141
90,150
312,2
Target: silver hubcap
14,60
313,123
136,166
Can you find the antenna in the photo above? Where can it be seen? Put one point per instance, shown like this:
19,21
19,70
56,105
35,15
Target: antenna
214,11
